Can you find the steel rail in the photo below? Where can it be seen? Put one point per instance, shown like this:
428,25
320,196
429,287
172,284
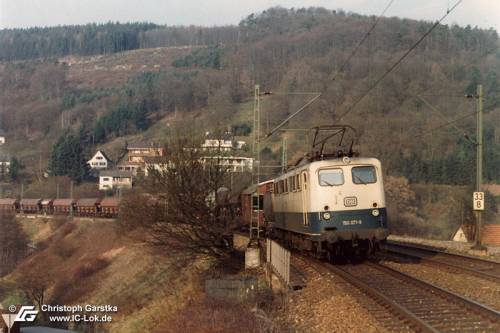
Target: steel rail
480,309
427,307
389,314
482,272
415,322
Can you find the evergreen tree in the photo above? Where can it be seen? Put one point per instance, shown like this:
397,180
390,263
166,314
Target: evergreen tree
68,158
15,166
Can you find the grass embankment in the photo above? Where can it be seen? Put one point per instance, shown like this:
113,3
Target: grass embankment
87,262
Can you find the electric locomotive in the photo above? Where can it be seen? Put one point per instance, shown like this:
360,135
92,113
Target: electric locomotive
330,204
333,207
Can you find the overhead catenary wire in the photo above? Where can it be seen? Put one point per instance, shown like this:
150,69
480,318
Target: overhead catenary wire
435,109
400,60
317,95
365,37
452,122
284,122
448,123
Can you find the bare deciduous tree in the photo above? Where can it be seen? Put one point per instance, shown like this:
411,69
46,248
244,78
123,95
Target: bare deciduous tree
13,242
183,209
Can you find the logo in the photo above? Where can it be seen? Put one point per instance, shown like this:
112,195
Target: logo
27,313
350,201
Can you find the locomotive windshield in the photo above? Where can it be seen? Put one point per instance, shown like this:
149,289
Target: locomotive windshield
364,175
331,177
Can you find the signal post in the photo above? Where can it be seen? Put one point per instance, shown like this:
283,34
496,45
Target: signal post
478,196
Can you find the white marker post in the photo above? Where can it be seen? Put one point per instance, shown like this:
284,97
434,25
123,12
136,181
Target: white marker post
478,200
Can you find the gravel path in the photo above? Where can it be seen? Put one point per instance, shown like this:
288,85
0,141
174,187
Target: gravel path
451,246
481,290
327,305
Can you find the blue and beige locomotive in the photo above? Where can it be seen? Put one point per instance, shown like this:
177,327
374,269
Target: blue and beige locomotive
332,207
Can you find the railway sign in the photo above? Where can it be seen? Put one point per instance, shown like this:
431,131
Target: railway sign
478,198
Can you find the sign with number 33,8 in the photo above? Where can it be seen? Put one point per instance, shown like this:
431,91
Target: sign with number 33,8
478,198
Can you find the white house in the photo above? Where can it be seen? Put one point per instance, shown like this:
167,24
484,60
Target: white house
109,180
4,165
225,142
2,138
233,163
99,161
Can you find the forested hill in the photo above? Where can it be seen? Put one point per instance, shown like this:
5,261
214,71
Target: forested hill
210,74
93,39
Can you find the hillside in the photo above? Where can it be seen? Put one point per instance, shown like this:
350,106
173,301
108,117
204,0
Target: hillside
86,262
112,98
119,94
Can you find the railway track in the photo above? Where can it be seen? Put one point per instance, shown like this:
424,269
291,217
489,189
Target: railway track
482,268
417,305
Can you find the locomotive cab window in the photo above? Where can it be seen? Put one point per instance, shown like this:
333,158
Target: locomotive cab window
364,175
331,177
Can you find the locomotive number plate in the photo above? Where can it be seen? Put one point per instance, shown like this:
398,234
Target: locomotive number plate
352,222
350,201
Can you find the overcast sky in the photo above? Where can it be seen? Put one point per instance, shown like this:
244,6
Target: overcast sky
27,13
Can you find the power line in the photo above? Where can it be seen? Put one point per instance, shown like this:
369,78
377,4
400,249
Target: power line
452,122
305,106
365,37
432,107
448,123
383,76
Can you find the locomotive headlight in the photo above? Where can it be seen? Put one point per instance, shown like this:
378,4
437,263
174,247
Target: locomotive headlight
326,216
375,212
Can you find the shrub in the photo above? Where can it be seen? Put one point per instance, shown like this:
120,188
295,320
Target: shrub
89,267
66,229
57,222
213,316
63,249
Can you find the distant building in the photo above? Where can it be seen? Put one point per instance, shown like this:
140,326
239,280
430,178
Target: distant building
491,234
137,155
2,137
225,142
99,161
4,165
154,163
137,152
224,147
133,167
111,179
234,163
